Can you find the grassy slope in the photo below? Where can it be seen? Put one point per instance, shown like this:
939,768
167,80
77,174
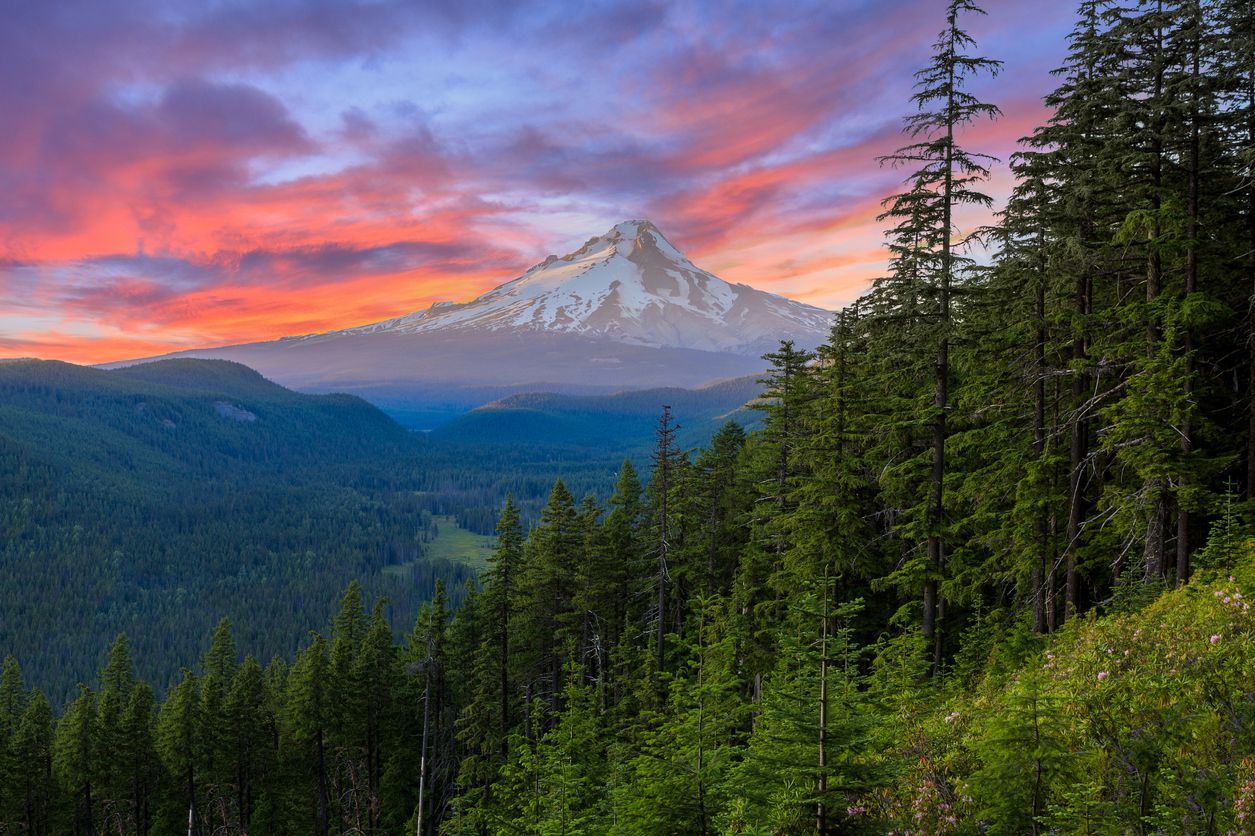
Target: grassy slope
1137,721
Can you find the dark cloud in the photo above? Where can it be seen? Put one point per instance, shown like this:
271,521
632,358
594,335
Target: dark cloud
235,117
316,264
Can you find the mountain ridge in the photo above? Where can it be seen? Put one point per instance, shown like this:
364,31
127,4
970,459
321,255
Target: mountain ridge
625,311
629,285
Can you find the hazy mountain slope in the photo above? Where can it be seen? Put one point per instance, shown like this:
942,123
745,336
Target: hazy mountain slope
625,421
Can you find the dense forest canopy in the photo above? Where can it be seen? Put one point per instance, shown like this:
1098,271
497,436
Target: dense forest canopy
156,499
984,568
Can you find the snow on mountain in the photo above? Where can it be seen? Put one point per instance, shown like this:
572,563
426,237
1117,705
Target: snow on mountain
631,286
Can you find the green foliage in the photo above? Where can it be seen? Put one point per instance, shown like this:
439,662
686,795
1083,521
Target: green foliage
138,497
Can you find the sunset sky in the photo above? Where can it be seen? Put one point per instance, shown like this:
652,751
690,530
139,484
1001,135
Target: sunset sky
180,174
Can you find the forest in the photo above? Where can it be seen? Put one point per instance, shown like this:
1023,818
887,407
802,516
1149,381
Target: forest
157,499
983,567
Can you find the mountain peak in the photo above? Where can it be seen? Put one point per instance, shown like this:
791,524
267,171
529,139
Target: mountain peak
624,238
633,230
629,285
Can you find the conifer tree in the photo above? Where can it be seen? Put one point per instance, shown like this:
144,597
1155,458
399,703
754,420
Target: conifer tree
250,721
1023,750
719,499
180,742
139,757
558,783
75,753
808,752
218,667
1011,447
32,748
374,678
624,530
1077,149
1236,74
500,597
548,623
345,733
114,790
485,723
677,781
946,178
666,460
12,704
775,466
309,717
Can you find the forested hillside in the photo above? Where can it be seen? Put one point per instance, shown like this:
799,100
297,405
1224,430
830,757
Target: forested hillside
156,499
984,568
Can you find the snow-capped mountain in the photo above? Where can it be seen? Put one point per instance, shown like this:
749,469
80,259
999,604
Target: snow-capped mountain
630,285
626,311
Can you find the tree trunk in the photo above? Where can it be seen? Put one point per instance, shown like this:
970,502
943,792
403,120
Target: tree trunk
664,475
941,397
1154,555
1078,448
422,758
320,820
191,801
1191,284
821,824
1040,591
1250,283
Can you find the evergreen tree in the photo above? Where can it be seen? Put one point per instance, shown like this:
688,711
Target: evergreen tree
217,774
115,787
249,737
946,178
12,705
374,678
1024,748
138,754
500,599
677,781
181,745
75,753
308,718
548,625
666,461
485,724
32,748
625,561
